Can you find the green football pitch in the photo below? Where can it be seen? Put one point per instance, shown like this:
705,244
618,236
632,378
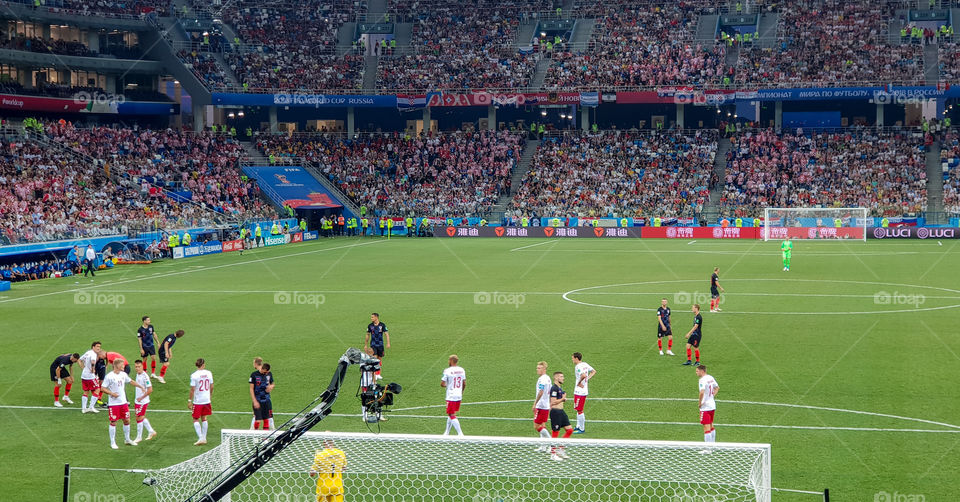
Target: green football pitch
844,364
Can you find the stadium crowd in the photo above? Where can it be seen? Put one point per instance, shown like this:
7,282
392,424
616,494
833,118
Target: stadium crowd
640,45
456,48
293,46
48,194
619,174
950,161
882,171
827,42
461,173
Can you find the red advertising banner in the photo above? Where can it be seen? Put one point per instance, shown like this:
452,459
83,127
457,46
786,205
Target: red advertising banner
814,233
505,98
541,232
37,104
701,233
236,245
297,237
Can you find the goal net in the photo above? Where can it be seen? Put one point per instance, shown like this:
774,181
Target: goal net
394,467
814,223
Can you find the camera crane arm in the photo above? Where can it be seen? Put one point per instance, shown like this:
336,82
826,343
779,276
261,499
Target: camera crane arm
289,432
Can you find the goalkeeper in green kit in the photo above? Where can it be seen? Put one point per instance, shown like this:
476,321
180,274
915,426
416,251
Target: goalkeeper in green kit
786,247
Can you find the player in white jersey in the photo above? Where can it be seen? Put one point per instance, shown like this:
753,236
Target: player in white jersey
541,405
88,379
142,400
453,380
201,387
707,403
114,386
582,373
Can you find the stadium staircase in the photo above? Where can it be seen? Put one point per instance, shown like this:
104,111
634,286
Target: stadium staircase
253,156
529,150
931,64
528,30
159,40
582,31
540,73
707,27
934,186
712,210
767,29
376,11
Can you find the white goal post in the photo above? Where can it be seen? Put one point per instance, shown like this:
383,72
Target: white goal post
394,467
840,223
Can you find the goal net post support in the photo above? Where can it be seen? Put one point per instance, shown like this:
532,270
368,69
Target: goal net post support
482,469
845,223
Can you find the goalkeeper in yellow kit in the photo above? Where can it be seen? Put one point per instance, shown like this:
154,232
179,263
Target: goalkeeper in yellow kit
328,466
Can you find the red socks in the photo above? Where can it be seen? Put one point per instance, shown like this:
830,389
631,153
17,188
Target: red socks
266,425
56,392
568,433
153,366
688,354
66,391
659,343
256,425
163,370
669,344
555,434
697,352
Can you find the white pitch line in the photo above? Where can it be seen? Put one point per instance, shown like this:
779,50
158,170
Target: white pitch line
188,271
721,424
684,399
531,245
393,414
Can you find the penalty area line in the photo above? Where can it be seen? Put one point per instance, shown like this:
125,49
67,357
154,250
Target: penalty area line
531,245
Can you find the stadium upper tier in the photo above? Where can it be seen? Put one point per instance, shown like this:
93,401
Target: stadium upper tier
618,45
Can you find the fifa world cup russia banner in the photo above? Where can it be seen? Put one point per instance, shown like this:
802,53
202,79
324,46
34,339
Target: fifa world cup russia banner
541,232
292,186
936,233
502,99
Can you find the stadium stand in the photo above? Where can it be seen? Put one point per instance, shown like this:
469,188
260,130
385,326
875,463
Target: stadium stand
642,44
619,173
828,42
458,174
950,162
882,171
